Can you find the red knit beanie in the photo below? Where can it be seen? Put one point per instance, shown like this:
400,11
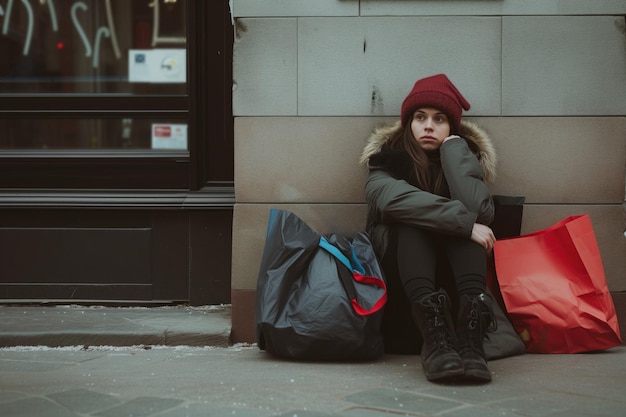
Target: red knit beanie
438,92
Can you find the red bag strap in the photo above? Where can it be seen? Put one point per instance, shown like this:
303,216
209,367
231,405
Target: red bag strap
352,273
377,282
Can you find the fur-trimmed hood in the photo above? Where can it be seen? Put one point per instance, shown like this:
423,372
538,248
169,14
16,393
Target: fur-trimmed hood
478,140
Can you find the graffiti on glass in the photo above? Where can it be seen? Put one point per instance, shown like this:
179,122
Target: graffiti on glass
77,10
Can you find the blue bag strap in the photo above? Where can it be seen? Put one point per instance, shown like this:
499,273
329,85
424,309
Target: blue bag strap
355,272
272,219
353,265
358,267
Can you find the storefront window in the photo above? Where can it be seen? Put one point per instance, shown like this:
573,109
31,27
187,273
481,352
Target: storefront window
115,94
62,50
93,46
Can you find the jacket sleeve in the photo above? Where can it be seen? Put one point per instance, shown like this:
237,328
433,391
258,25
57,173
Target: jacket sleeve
464,176
391,200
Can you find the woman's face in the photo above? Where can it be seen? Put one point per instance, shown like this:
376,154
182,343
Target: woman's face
430,127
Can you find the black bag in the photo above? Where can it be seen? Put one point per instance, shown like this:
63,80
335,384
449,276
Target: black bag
505,341
509,211
318,298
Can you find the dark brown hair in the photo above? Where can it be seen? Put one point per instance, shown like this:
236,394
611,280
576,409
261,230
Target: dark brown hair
427,171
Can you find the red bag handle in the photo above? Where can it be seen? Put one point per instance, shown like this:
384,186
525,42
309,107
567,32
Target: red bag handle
364,279
352,273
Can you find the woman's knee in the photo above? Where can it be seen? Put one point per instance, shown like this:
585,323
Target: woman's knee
410,235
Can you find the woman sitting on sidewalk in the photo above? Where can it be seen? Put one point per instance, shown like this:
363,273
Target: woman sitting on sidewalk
427,196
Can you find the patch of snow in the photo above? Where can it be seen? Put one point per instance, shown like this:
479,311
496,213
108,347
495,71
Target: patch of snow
234,348
216,307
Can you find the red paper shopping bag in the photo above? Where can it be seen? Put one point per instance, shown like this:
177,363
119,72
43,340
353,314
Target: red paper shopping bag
554,288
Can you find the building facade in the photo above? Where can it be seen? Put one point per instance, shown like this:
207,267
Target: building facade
546,79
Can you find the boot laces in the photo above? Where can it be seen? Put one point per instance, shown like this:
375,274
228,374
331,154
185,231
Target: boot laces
439,325
481,315
472,317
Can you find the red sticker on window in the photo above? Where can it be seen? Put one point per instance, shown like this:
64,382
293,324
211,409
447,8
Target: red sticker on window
162,131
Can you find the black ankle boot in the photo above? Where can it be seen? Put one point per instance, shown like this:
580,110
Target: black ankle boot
440,359
475,317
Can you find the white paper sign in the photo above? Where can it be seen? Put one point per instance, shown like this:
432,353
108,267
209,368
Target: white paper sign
157,66
169,136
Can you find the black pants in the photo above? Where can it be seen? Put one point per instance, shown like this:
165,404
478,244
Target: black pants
418,262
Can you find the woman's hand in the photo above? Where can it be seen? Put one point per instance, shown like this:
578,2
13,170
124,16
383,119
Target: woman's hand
483,235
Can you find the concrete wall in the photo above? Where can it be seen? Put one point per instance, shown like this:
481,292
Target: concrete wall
546,78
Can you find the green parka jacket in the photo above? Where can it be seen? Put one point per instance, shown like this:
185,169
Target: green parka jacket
468,163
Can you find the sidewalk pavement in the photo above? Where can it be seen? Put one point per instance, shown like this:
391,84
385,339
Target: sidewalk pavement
176,361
